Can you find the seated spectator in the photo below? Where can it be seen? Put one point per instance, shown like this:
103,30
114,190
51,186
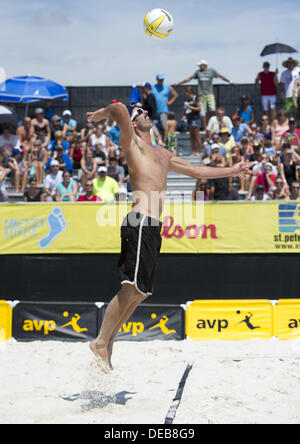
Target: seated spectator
59,141
280,191
234,158
260,194
295,191
105,187
89,195
41,155
26,134
14,166
215,139
115,171
201,192
33,194
289,171
216,157
256,137
40,133
267,178
89,167
8,142
86,132
220,189
246,111
66,191
239,129
219,121
3,174
56,125
170,136
63,159
99,155
226,141
266,131
100,138
69,124
246,148
114,135
52,180
279,127
41,123
76,153
292,135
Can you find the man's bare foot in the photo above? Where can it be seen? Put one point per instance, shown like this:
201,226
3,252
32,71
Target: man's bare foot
101,353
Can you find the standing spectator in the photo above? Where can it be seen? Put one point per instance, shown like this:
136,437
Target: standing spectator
205,77
25,134
33,194
52,180
69,124
266,83
89,195
89,167
292,135
246,111
295,191
279,127
165,95
287,83
115,171
193,115
239,130
170,136
149,102
219,121
105,187
66,191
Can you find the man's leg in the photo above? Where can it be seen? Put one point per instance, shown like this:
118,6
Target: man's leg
117,313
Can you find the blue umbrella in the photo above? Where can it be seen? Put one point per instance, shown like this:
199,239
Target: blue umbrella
31,89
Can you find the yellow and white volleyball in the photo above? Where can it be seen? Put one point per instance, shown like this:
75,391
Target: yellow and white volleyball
158,23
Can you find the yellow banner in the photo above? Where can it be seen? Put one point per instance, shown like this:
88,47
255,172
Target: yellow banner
259,227
229,320
287,319
5,321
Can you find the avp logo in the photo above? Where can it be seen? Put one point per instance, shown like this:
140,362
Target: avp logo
289,218
48,326
139,327
224,324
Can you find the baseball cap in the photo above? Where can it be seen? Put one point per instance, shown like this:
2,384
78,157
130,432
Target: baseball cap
102,169
215,146
54,163
268,165
56,119
39,111
260,188
224,131
160,76
67,113
203,62
147,85
292,120
236,117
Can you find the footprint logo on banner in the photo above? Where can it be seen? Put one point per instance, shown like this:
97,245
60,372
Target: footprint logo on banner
57,225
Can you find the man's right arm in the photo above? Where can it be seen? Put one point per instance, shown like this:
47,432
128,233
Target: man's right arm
118,113
189,79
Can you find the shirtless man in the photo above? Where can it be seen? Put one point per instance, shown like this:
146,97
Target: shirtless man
25,133
141,238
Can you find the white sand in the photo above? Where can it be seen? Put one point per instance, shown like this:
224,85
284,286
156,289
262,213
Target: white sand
254,382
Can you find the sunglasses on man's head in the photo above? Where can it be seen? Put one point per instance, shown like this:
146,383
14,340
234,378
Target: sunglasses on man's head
136,114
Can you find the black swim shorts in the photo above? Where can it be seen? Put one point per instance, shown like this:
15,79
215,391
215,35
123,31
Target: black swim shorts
141,244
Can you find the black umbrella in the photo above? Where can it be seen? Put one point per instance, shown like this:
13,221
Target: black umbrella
277,48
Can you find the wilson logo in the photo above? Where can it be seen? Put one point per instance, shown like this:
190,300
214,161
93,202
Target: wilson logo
191,232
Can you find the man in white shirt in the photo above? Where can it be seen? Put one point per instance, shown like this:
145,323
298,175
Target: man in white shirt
216,123
52,180
8,142
287,83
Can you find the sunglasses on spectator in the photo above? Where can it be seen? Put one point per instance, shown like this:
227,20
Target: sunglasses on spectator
296,188
136,114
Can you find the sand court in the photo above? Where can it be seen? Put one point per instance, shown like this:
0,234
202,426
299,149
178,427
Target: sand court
248,382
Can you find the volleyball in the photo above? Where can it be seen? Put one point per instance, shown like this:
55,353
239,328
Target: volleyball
158,23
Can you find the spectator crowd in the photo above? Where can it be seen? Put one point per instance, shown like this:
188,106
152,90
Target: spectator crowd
49,158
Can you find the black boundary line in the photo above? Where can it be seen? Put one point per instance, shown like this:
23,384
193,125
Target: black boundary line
176,401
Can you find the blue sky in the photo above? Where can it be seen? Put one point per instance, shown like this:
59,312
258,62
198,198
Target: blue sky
97,42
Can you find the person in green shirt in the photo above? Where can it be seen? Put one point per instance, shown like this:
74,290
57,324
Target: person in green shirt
104,186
